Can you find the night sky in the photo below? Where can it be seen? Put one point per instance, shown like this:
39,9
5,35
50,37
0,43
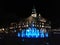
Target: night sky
11,11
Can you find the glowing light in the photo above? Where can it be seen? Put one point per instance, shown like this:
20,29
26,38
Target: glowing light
46,34
34,15
3,29
18,34
19,26
42,25
42,35
27,25
33,25
14,30
23,33
39,14
28,33
11,27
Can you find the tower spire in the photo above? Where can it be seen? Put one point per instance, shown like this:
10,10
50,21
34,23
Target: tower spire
33,10
34,14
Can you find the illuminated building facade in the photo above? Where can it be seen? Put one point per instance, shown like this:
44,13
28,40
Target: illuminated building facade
34,26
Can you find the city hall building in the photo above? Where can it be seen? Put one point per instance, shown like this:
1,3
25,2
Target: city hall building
33,26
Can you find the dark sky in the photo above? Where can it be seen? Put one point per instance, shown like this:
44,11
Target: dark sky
15,10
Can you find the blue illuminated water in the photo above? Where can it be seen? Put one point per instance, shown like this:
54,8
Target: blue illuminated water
18,34
32,33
